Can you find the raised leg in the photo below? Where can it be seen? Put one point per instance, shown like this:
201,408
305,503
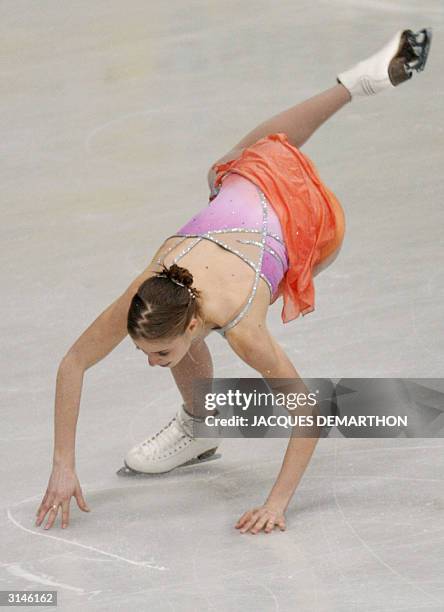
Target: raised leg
393,64
301,121
197,363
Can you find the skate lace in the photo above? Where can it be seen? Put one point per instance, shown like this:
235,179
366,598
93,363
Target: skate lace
165,440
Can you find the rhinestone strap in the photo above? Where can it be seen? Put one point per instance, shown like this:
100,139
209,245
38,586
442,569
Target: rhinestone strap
231,250
267,248
238,317
159,260
256,267
246,230
186,249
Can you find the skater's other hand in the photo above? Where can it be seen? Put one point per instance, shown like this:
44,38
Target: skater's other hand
63,484
265,517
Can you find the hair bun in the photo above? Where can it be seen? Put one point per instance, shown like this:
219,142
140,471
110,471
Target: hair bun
181,275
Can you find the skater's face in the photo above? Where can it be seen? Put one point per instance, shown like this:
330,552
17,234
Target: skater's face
167,352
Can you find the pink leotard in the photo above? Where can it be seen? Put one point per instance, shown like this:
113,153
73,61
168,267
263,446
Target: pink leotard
240,219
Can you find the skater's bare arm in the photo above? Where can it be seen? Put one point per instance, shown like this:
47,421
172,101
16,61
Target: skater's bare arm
260,350
104,334
101,337
96,342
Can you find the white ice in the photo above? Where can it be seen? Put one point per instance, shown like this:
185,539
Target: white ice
111,114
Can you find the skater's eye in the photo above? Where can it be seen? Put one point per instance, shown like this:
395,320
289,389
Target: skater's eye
161,353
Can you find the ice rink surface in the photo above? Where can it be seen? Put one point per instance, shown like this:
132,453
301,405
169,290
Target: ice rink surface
111,114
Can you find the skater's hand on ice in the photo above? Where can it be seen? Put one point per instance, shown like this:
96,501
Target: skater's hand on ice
63,484
265,517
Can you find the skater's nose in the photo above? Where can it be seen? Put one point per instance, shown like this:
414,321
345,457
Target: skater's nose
152,361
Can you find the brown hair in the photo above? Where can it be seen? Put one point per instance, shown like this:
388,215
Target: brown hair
164,305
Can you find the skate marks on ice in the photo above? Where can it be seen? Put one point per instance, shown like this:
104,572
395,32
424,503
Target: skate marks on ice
189,578
15,569
325,505
88,492
40,532
365,544
424,315
32,502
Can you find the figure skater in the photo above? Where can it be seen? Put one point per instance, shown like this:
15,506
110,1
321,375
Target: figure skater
271,225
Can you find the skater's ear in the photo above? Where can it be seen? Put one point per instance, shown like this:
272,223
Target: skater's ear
193,325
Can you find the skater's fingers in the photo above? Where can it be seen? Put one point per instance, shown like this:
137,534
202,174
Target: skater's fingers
260,522
81,500
270,525
42,503
281,524
247,526
65,513
243,518
43,510
52,515
39,511
246,516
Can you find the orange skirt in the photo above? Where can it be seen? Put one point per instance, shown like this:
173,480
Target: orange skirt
312,220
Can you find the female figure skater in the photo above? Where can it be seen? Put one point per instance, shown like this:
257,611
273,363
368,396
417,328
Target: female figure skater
270,227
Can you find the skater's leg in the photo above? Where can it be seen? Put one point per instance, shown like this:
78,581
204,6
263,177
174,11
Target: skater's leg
197,363
301,121
298,123
175,444
390,66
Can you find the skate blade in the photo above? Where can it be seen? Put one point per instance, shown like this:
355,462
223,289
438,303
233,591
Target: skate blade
425,48
419,47
207,456
411,56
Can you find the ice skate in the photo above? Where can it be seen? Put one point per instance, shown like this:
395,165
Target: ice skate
392,65
173,446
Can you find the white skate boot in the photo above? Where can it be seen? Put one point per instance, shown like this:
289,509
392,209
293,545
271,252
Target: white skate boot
390,66
173,446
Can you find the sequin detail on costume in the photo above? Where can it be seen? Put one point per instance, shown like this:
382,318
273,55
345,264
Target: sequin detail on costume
240,220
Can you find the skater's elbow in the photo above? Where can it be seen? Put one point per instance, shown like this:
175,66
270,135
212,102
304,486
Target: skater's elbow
72,359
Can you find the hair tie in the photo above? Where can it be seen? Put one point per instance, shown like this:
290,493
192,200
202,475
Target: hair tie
167,274
176,281
190,291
